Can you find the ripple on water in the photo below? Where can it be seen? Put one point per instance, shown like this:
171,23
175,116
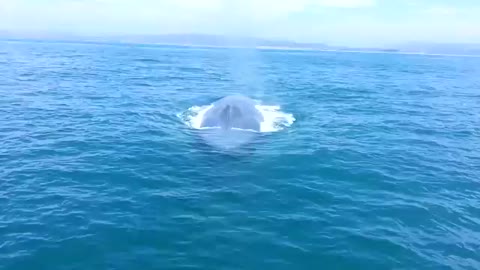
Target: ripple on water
367,161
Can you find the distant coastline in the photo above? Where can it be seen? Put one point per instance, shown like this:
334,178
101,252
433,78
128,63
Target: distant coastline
218,41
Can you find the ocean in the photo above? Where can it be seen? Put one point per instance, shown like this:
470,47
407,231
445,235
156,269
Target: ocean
364,160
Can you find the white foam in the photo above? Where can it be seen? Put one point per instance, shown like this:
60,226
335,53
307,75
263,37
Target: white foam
274,118
194,115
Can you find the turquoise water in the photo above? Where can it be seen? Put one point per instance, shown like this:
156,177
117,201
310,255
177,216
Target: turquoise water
372,163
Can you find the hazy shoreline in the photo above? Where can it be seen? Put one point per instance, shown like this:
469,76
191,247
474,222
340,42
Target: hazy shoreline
192,45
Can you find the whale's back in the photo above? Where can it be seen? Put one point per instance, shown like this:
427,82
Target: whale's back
233,112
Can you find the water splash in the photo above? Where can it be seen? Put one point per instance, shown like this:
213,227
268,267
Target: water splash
274,119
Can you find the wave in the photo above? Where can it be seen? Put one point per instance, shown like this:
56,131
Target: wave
274,119
148,60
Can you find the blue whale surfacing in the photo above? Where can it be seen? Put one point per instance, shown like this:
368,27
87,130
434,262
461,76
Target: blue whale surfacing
233,112
231,122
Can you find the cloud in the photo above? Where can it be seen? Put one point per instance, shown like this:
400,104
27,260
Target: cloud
335,21
442,11
256,8
154,16
345,3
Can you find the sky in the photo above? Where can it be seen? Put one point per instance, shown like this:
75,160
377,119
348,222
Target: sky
336,22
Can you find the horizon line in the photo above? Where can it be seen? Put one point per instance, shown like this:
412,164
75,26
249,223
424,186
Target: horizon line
272,48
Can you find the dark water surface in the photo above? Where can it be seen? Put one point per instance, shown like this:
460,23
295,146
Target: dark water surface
381,169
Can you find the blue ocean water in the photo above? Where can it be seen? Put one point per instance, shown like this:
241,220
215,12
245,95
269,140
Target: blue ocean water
101,169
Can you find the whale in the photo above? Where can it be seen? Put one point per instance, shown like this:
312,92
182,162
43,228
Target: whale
233,112
231,122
